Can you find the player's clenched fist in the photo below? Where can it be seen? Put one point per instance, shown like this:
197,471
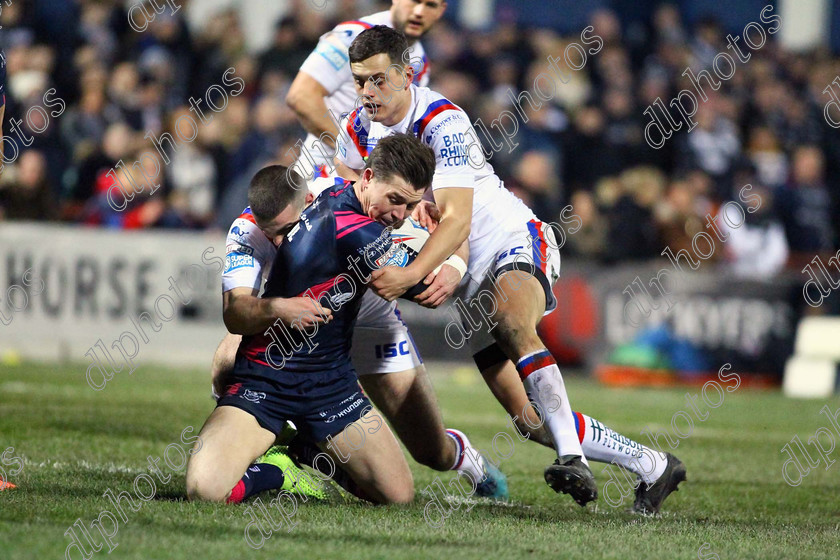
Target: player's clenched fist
441,286
300,312
391,282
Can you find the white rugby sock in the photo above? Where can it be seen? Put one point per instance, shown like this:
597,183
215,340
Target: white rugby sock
467,459
544,385
605,445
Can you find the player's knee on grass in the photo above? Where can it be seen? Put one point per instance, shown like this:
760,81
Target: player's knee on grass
400,494
378,466
203,480
203,486
407,399
230,440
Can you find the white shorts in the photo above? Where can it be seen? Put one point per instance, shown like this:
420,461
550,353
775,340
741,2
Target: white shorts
532,249
381,341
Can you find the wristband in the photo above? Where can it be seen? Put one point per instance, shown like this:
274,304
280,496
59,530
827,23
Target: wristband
455,262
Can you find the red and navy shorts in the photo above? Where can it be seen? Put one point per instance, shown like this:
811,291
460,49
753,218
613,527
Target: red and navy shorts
320,404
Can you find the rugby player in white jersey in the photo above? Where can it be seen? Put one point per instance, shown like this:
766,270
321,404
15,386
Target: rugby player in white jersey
323,92
384,354
513,262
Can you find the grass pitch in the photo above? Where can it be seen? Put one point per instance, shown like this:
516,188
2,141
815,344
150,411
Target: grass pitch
76,443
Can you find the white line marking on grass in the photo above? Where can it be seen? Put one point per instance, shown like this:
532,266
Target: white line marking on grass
109,468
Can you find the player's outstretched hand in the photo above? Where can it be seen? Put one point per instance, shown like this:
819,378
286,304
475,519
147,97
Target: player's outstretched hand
427,214
301,312
390,282
441,286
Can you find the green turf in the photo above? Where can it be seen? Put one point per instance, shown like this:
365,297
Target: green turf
77,443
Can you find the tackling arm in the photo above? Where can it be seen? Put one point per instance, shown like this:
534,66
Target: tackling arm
454,228
245,313
452,231
345,172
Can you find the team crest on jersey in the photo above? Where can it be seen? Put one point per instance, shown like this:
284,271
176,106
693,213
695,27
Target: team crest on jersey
340,299
253,396
238,232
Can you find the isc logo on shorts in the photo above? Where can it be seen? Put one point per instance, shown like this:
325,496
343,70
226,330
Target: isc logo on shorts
510,253
392,350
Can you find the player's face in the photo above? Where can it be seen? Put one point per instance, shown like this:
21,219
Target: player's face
277,229
388,202
415,17
383,87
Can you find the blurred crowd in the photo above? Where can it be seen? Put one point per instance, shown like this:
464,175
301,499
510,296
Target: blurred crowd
586,147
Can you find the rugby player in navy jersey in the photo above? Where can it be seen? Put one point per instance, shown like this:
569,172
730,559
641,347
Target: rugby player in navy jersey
307,377
388,362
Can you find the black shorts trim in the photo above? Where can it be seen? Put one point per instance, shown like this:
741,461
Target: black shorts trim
536,272
489,357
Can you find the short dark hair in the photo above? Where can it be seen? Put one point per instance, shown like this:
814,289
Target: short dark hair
377,40
405,156
272,189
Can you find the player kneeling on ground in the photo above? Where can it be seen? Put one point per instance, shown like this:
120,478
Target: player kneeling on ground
308,378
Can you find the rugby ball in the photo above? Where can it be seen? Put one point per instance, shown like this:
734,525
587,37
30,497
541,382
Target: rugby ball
408,239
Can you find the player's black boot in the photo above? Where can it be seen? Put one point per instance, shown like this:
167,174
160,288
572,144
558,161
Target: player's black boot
649,498
573,478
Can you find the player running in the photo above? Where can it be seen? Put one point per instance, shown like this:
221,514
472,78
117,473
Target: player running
513,262
384,354
327,255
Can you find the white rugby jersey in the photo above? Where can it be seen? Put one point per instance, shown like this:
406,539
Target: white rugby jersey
249,253
248,256
459,162
329,64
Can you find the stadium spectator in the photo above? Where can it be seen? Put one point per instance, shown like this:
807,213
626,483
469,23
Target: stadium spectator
806,204
25,191
590,241
632,234
110,75
536,183
758,248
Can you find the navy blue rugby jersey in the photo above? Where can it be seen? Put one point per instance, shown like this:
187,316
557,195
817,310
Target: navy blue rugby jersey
328,256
